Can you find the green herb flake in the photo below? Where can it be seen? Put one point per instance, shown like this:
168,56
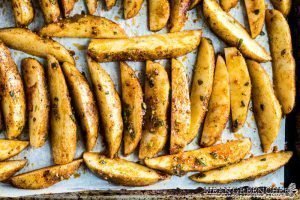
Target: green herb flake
240,43
102,162
11,93
214,155
199,161
243,104
263,159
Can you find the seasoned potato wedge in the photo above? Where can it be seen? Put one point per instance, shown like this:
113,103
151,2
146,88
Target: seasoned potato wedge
23,12
84,103
12,94
45,177
159,13
62,120
203,159
132,8
256,15
232,32
201,86
85,26
265,105
178,16
31,43
132,100
219,106
194,3
121,171
50,10
151,47
157,89
284,6
180,107
240,87
10,148
67,6
110,4
91,6
9,168
283,60
109,104
245,170
37,100
228,4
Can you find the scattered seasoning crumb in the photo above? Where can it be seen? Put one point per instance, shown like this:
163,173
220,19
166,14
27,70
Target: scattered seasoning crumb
263,159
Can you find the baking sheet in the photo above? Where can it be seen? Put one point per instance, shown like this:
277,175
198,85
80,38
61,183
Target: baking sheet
85,180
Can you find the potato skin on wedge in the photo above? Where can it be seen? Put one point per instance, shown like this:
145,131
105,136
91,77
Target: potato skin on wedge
45,177
9,168
91,6
120,171
157,90
265,105
110,4
218,107
249,169
228,4
203,159
256,16
83,26
132,8
178,16
159,13
283,61
23,12
10,148
50,10
151,47
284,6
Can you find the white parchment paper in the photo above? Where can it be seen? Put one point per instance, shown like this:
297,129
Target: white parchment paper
85,180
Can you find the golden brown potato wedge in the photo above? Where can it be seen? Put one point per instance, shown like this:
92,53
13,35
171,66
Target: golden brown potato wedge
45,177
151,47
50,10
203,159
158,12
284,6
110,4
84,103
10,148
67,6
265,105
121,171
37,100
91,6
256,15
132,8
31,43
232,32
178,16
9,168
132,100
157,89
219,106
245,170
228,4
180,107
194,3
23,12
12,94
109,104
283,61
240,87
85,26
62,121
201,86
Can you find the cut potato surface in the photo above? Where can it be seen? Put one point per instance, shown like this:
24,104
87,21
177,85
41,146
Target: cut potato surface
10,148
9,168
256,15
159,12
178,16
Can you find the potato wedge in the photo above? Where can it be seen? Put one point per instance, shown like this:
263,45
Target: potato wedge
50,9
83,26
31,43
228,4
159,13
203,159
283,61
84,103
240,87
180,107
110,4
67,6
218,107
284,6
109,104
178,16
245,170
23,12
91,6
194,3
201,86
232,32
157,90
37,100
256,15
265,105
121,171
62,120
12,94
10,148
9,168
132,8
132,100
45,177
151,47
